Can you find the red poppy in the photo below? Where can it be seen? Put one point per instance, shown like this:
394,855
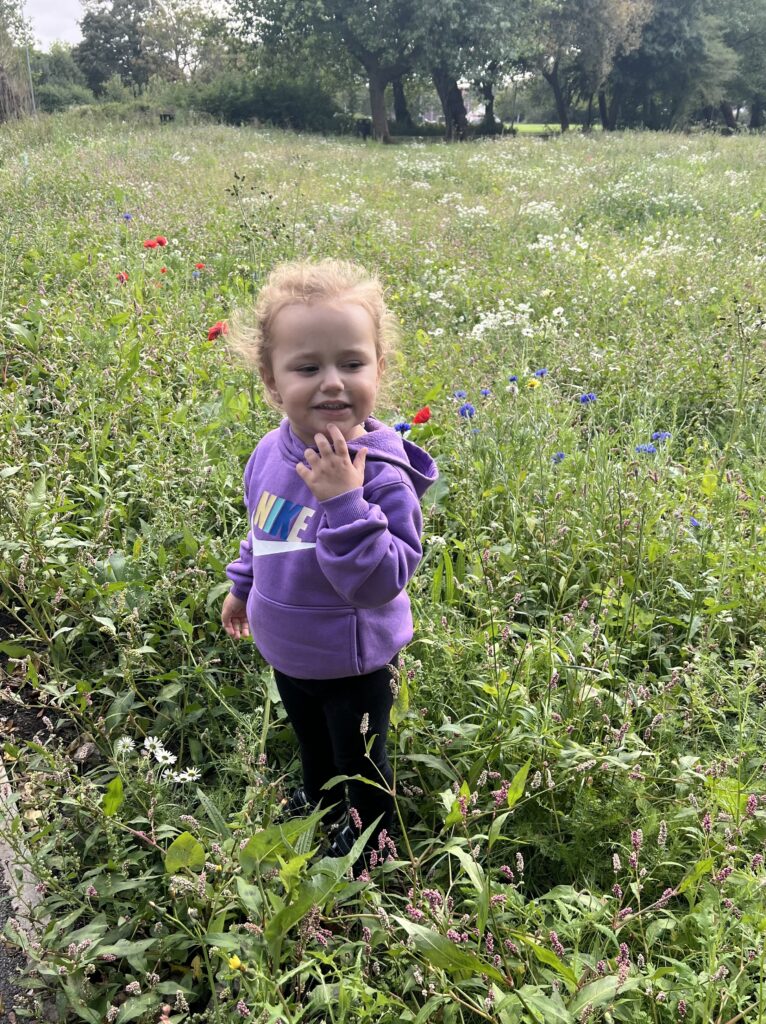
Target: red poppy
422,415
221,327
122,277
150,243
199,266
161,240
163,270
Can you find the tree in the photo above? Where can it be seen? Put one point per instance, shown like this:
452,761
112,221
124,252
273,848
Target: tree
115,43
681,65
179,34
745,33
15,34
574,44
385,39
468,39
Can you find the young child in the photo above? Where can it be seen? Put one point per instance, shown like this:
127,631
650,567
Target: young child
333,500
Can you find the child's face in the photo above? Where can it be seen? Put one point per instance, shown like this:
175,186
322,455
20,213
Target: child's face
324,353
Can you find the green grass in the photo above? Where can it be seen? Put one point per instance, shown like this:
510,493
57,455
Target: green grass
587,661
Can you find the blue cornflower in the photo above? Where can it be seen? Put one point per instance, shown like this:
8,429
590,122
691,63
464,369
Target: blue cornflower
485,392
195,274
513,378
466,409
646,448
401,427
558,457
590,397
540,373
660,435
475,430
695,522
460,394
127,216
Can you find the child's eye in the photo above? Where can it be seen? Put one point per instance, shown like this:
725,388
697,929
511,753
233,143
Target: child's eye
354,366
306,369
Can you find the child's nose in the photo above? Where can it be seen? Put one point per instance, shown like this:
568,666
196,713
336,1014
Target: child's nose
332,379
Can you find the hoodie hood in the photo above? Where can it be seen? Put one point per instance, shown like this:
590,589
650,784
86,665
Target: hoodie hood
381,441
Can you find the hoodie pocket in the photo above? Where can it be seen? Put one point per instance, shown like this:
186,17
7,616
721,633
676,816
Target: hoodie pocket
317,642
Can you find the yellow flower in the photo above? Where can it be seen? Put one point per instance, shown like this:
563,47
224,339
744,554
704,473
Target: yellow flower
235,963
533,382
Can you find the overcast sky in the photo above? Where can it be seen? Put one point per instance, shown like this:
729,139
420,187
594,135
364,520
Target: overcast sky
54,19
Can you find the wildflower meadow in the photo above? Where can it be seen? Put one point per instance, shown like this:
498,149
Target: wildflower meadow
578,733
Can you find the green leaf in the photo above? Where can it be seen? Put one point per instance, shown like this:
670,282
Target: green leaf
214,815
401,704
113,797
266,846
602,990
516,788
702,867
445,954
495,827
552,1011
546,956
184,852
327,875
136,1007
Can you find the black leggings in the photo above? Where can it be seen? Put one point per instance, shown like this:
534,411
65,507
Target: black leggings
326,715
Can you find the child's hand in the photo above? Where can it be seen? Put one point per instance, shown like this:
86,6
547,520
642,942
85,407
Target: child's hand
234,617
332,472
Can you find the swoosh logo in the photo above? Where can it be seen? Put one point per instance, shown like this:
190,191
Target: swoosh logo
278,547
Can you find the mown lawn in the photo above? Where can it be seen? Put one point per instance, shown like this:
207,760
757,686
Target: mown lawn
578,740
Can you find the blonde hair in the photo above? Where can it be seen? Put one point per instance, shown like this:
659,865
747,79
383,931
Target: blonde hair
250,334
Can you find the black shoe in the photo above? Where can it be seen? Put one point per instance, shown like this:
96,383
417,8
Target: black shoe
300,806
342,845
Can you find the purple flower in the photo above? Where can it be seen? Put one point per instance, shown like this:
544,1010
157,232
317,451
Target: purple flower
649,448
540,373
485,392
660,435
694,522
127,216
460,394
558,456
466,409
590,397
513,378
401,427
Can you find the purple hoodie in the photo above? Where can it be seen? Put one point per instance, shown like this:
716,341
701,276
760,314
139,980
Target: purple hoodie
325,581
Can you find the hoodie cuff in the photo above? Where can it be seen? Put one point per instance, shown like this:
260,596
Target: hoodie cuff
346,507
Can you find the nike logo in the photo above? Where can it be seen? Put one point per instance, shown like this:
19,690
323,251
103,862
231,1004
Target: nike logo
272,547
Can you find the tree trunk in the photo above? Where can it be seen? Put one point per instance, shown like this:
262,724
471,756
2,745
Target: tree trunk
487,86
602,110
378,83
728,115
451,98
401,110
756,113
488,121
552,78
614,110
10,101
589,117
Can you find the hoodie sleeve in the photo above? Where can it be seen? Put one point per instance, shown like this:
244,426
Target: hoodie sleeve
369,550
240,571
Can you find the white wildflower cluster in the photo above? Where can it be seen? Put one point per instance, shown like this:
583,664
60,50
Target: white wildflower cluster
540,208
154,746
507,314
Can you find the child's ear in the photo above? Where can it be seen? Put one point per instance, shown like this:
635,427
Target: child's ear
268,379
